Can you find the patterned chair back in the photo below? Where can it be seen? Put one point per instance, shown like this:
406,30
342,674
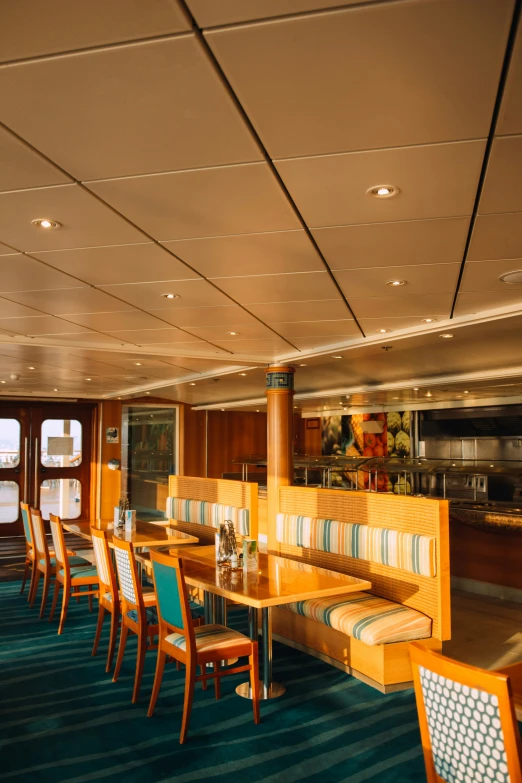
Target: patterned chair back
103,559
26,519
171,594
58,541
40,539
467,720
127,575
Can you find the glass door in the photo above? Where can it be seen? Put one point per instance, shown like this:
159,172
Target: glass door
45,460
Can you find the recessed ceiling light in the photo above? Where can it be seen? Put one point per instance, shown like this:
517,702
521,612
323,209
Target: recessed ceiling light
147,392
513,278
233,333
446,336
396,283
243,374
382,331
55,389
2,381
257,411
46,223
88,379
429,394
222,409
395,398
383,191
466,392
170,296
138,364
415,388
337,357
192,384
428,320
31,368
302,365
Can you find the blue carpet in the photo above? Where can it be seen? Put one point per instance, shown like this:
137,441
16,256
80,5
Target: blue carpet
63,720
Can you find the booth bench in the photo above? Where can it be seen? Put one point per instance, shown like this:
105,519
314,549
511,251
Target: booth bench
401,545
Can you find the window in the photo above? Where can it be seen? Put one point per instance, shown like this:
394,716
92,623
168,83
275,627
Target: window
61,443
9,500
9,443
62,497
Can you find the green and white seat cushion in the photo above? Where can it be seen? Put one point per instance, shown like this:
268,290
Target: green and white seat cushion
465,731
209,637
369,618
202,512
77,571
74,560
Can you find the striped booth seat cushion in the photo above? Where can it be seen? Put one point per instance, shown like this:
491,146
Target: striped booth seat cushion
366,617
202,512
210,637
407,551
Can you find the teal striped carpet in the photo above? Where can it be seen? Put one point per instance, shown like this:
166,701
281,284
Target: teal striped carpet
62,719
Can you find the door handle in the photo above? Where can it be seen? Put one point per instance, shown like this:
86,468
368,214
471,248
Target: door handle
26,467
36,461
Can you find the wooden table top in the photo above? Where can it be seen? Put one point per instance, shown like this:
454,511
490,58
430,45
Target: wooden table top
277,580
146,534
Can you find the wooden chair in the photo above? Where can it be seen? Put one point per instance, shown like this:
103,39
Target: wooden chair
29,550
45,561
138,611
467,720
194,646
71,577
108,597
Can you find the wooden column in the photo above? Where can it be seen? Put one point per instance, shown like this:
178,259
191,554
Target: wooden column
280,468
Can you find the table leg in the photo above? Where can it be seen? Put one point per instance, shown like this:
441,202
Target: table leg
207,607
267,689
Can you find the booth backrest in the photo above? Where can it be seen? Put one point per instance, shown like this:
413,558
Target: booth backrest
210,499
202,512
399,543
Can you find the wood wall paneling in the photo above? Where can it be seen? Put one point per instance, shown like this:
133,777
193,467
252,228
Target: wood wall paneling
311,436
493,557
232,434
110,413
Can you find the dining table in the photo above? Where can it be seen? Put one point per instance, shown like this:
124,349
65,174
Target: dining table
146,534
275,581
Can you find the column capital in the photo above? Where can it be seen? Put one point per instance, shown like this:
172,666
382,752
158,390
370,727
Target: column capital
280,378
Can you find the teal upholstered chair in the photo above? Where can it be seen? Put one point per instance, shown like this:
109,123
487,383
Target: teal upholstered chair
467,720
29,549
206,644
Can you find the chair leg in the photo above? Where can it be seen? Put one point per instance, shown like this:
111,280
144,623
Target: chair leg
160,667
203,671
55,599
26,574
254,683
115,620
32,583
89,588
47,582
65,605
190,681
140,663
121,651
35,587
217,680
99,626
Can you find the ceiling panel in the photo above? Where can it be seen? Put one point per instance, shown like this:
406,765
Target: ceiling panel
30,28
148,296
10,309
165,92
85,220
109,322
475,302
208,13
46,324
502,192
313,343
142,336
279,288
22,167
371,326
436,278
393,244
438,180
390,306
7,251
324,329
118,264
269,346
203,202
496,236
188,317
20,273
249,254
68,300
510,115
484,276
303,105
89,337
301,311
246,331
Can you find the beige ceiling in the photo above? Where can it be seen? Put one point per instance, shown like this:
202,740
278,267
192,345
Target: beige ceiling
223,152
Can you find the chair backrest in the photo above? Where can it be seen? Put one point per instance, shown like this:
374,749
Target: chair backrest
58,537
40,539
171,595
132,597
467,720
104,566
26,519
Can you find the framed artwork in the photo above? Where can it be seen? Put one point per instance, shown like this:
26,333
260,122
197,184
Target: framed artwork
112,435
